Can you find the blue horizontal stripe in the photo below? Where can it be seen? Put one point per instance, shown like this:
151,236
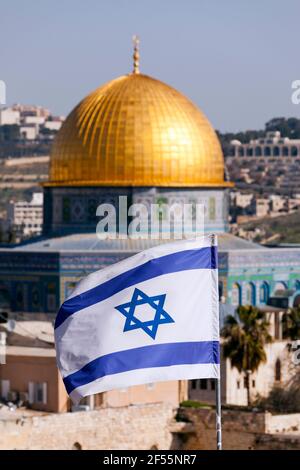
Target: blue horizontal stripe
203,258
157,355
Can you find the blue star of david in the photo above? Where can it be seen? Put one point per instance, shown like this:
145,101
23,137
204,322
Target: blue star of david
140,298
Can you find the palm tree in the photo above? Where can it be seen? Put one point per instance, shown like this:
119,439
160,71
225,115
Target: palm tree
244,341
291,323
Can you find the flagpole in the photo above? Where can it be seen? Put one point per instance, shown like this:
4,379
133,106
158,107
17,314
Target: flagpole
218,414
218,387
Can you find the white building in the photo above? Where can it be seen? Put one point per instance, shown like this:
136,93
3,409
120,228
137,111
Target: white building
241,199
262,207
38,120
272,145
9,116
29,132
278,203
54,125
29,110
26,216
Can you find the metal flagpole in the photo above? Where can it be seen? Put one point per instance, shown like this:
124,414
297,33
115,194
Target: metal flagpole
218,391
218,414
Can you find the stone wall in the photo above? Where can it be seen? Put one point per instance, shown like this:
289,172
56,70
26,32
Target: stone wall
283,423
134,427
275,442
149,427
241,430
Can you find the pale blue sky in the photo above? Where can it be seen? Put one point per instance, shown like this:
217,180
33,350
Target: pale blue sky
236,59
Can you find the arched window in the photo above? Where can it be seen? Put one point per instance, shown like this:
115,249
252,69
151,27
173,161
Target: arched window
241,151
250,294
276,151
263,293
236,295
267,151
249,152
285,151
258,151
294,152
278,370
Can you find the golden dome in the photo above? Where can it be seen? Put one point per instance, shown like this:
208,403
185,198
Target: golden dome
136,131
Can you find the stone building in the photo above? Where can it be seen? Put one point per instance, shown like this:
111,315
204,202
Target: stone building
29,376
272,145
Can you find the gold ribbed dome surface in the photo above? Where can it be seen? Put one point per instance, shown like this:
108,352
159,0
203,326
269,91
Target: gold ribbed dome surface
136,131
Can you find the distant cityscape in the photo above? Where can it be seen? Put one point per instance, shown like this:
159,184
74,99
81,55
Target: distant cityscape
27,130
264,166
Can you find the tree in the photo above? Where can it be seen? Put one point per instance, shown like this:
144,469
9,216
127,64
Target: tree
244,341
291,324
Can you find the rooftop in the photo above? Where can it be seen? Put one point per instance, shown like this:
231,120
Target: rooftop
25,351
89,241
35,330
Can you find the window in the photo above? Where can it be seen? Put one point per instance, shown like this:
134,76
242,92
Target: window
51,297
238,384
276,151
250,294
253,383
263,293
285,151
258,151
37,392
203,384
194,384
278,370
267,151
212,384
294,152
236,295
5,388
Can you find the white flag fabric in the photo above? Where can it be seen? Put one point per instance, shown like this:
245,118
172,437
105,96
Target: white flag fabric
151,317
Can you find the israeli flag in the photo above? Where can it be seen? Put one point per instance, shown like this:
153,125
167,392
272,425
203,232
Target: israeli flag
152,317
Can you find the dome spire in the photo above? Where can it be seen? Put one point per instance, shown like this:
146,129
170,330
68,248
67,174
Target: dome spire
136,54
